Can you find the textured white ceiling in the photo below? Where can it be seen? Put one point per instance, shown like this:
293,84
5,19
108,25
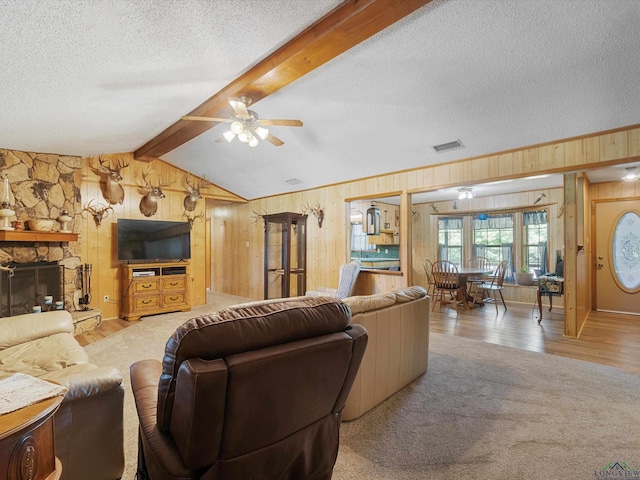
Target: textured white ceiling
87,77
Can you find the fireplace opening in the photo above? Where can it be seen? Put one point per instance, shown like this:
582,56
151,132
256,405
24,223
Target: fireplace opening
27,285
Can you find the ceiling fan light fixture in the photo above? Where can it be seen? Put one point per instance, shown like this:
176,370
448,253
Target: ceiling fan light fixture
464,193
246,125
229,136
244,136
632,175
236,127
262,132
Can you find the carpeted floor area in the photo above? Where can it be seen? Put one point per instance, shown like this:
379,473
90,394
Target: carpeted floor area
482,411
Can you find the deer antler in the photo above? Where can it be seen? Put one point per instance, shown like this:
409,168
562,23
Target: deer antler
146,174
113,166
256,216
191,219
194,184
317,211
166,181
99,212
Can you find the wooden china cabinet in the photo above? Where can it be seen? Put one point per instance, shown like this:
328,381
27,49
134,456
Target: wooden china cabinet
285,255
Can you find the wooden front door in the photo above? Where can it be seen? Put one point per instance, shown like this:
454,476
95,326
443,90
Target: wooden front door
617,226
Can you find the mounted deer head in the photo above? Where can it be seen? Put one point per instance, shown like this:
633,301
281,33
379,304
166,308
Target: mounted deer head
258,217
317,211
193,218
99,212
112,191
149,202
193,185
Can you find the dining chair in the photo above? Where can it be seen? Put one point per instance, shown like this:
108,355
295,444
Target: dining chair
446,282
428,267
473,282
495,285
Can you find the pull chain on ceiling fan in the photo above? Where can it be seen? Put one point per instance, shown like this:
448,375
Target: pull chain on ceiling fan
246,125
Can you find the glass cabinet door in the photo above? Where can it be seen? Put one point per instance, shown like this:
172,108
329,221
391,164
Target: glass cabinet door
285,260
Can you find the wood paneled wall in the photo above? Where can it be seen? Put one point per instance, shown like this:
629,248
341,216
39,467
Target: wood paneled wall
99,243
237,236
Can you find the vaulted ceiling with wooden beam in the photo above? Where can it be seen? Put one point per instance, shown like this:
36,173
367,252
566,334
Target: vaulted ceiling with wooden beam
376,83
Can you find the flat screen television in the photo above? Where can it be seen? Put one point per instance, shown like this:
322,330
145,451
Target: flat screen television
153,240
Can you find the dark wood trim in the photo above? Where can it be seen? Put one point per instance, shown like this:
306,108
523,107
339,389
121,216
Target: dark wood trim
341,29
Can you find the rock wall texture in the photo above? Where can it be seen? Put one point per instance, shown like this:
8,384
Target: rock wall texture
42,187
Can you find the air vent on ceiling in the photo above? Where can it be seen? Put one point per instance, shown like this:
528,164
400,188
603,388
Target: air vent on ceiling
445,147
294,181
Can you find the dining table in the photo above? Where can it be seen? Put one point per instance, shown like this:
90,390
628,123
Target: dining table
464,274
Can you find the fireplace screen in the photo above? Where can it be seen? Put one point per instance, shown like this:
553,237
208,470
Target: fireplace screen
27,285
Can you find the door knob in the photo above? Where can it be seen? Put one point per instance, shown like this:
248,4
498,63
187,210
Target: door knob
600,266
600,257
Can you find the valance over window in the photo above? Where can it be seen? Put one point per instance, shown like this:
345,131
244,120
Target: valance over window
534,218
494,221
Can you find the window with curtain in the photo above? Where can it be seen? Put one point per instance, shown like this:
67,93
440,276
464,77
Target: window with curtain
491,235
450,239
535,239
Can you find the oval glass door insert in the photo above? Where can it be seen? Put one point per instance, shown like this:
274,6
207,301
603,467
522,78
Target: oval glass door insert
625,252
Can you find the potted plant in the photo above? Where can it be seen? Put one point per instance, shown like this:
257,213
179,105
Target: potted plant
524,276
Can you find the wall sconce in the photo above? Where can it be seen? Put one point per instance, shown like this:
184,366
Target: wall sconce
373,220
464,193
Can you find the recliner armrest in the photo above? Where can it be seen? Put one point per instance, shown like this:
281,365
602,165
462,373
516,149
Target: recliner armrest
144,383
161,457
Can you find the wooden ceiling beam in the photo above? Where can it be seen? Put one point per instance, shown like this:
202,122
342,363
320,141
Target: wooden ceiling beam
341,29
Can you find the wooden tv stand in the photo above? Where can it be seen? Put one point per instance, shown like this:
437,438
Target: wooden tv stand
151,288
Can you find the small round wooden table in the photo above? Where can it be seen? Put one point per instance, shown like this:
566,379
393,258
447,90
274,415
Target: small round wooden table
27,442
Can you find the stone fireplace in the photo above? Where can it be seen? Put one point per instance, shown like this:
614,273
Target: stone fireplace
42,186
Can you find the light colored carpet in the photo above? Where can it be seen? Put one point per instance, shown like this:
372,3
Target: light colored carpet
482,411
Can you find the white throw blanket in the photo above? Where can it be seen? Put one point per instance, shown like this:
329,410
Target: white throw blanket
20,390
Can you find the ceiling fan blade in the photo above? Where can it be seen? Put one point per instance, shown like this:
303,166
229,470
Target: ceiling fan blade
275,140
240,108
283,123
205,119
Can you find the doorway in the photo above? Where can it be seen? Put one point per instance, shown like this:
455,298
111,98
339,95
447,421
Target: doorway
617,227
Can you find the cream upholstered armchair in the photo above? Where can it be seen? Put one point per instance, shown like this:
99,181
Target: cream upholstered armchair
346,282
89,425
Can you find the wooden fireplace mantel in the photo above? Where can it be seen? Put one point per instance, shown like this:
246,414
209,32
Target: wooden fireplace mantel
31,236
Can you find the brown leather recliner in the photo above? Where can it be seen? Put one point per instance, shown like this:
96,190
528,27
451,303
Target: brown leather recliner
252,392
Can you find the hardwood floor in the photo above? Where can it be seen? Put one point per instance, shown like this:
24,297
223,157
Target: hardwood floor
106,328
609,339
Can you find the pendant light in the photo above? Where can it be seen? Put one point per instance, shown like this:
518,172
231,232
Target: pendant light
373,220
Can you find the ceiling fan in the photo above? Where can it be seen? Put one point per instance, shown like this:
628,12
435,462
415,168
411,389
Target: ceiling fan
246,125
